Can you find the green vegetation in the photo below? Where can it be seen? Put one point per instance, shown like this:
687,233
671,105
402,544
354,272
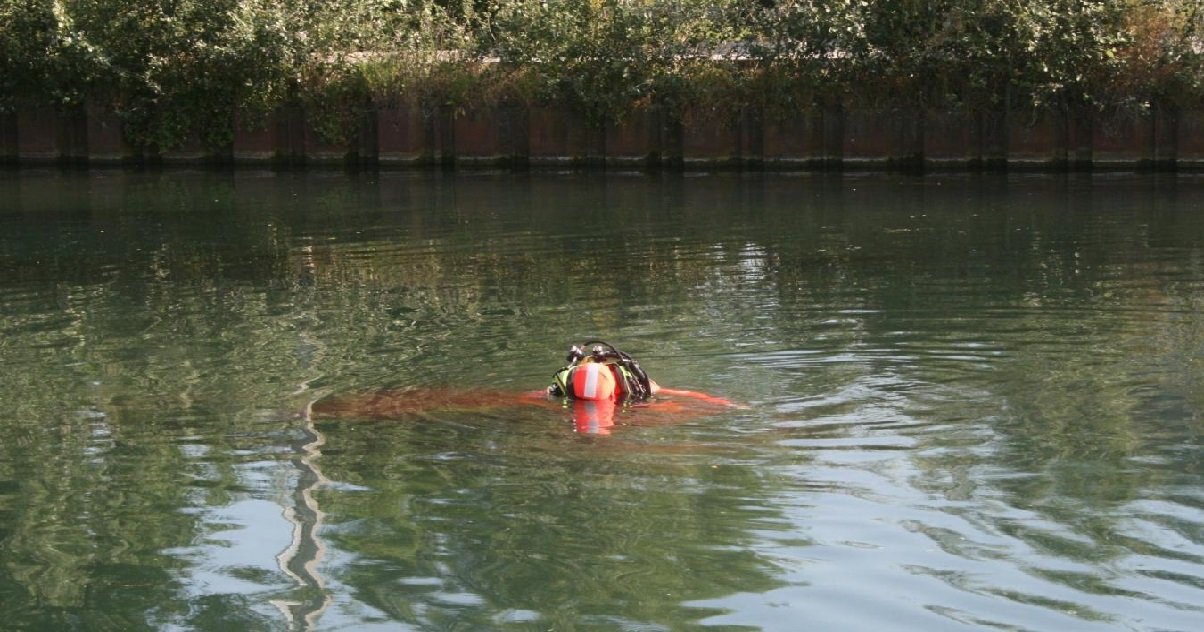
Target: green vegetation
176,70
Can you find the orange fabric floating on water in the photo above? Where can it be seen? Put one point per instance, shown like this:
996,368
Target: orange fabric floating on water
589,416
400,403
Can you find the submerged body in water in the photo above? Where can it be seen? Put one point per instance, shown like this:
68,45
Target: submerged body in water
598,388
669,406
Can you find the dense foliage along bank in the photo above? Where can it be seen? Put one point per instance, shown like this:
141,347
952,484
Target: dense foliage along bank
176,70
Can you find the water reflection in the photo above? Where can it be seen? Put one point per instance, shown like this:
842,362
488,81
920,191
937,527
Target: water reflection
306,549
581,531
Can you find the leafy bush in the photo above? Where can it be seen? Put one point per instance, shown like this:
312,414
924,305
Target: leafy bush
178,70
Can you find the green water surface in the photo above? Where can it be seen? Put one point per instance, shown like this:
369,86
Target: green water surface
967,402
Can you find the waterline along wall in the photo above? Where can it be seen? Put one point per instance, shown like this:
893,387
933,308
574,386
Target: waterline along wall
406,134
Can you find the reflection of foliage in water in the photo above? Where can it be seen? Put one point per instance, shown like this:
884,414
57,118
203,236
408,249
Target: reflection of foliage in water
96,504
573,529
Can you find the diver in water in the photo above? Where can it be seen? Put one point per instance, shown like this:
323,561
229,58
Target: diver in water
596,386
604,374
599,382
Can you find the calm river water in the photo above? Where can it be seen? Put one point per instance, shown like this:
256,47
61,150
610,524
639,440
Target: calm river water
967,402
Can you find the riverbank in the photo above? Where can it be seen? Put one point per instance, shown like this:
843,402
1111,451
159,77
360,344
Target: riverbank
405,134
678,84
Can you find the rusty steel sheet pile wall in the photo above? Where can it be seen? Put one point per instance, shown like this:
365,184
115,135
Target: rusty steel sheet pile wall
404,133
